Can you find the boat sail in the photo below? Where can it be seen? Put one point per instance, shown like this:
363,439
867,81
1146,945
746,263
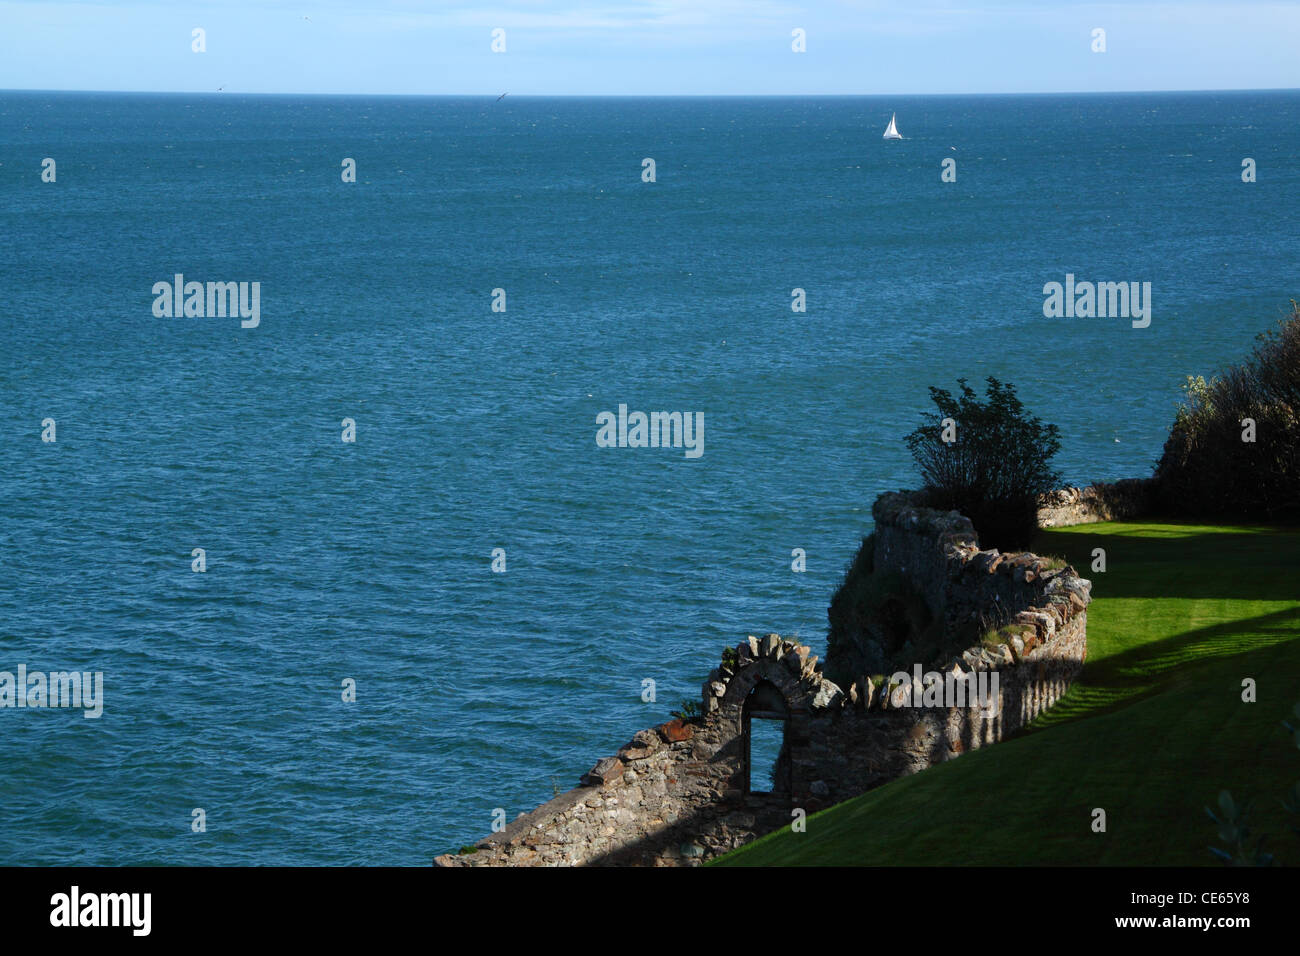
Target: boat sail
892,131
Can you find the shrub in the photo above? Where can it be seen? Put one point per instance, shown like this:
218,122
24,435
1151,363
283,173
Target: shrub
1234,829
1208,469
1234,820
997,467
689,711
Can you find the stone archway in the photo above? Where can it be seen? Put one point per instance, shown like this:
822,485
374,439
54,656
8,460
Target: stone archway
781,681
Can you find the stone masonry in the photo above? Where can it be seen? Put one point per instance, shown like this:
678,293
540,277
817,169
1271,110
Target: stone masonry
1113,501
678,794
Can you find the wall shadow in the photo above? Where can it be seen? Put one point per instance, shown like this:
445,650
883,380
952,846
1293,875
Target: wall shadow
1262,565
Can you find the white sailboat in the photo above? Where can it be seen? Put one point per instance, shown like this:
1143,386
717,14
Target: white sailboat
892,131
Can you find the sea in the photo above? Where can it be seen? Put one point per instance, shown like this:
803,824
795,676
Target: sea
394,641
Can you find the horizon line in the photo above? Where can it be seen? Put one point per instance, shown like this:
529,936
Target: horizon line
628,96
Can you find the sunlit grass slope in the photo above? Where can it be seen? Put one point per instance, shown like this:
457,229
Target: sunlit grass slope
1151,731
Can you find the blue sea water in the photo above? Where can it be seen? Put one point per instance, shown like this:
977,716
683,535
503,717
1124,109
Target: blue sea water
476,430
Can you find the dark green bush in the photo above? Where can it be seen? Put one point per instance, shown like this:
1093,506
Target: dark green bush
1233,821
997,467
689,711
1207,469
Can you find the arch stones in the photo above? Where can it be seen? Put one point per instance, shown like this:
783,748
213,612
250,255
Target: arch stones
791,667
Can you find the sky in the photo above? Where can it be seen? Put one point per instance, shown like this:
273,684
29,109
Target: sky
648,47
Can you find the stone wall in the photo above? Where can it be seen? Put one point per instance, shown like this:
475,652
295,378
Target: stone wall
1113,501
675,794
972,592
678,794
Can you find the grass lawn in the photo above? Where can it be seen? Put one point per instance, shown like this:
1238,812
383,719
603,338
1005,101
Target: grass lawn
1152,730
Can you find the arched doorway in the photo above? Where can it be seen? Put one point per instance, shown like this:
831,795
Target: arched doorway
764,723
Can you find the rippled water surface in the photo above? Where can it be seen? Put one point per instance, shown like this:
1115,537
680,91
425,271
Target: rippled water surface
475,429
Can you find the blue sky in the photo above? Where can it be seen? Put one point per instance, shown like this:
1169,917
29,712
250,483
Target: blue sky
631,47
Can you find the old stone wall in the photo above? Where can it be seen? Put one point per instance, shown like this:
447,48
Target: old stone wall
674,794
1112,501
936,555
679,793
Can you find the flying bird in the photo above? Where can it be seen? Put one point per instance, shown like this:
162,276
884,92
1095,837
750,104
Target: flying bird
502,96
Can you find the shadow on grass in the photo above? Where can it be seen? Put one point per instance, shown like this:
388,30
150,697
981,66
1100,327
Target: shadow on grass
1153,767
1183,561
1126,677
1078,754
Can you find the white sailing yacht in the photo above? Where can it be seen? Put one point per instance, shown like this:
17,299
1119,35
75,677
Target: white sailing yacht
892,131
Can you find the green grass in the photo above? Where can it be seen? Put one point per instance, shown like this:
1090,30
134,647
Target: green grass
1152,730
